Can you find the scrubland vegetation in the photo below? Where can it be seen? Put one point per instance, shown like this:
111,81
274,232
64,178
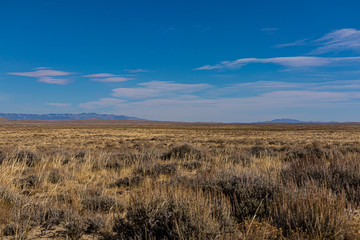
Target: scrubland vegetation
188,182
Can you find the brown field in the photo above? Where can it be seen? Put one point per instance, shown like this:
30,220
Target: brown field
96,179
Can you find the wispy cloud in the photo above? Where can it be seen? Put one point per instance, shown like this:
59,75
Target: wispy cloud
157,88
108,77
340,40
61,105
137,70
46,76
96,75
112,79
296,43
289,62
103,102
51,80
269,30
346,39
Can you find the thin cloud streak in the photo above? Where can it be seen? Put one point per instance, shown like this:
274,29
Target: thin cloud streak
112,79
137,70
108,77
103,102
289,62
158,88
100,75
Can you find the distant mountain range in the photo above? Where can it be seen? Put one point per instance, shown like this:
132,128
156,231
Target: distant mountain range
66,116
288,120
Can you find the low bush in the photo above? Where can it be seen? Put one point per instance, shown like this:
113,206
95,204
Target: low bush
173,215
127,181
2,157
250,195
27,157
184,151
315,213
98,203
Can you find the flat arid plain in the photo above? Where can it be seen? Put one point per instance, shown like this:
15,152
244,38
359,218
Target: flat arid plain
96,179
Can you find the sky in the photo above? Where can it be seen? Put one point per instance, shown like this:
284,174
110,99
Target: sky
209,61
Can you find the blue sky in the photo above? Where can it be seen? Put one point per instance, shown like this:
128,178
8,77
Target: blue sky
223,61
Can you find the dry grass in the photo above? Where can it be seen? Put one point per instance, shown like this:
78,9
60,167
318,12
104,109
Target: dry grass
179,181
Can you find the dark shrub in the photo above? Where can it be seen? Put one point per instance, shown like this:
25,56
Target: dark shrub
54,176
156,170
302,171
160,216
240,158
250,195
65,161
75,228
345,176
27,157
9,230
156,220
260,151
192,165
93,225
98,203
113,164
166,169
315,212
53,216
339,176
28,182
184,151
126,159
311,152
128,181
2,157
80,155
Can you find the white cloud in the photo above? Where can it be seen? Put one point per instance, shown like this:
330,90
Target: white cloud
103,102
41,73
158,88
339,40
108,77
112,79
51,80
346,39
289,62
100,75
45,75
59,104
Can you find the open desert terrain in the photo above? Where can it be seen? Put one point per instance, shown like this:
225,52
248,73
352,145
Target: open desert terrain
98,179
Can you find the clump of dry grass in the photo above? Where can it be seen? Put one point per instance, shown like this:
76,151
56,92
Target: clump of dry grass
250,195
175,214
27,157
185,151
312,213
